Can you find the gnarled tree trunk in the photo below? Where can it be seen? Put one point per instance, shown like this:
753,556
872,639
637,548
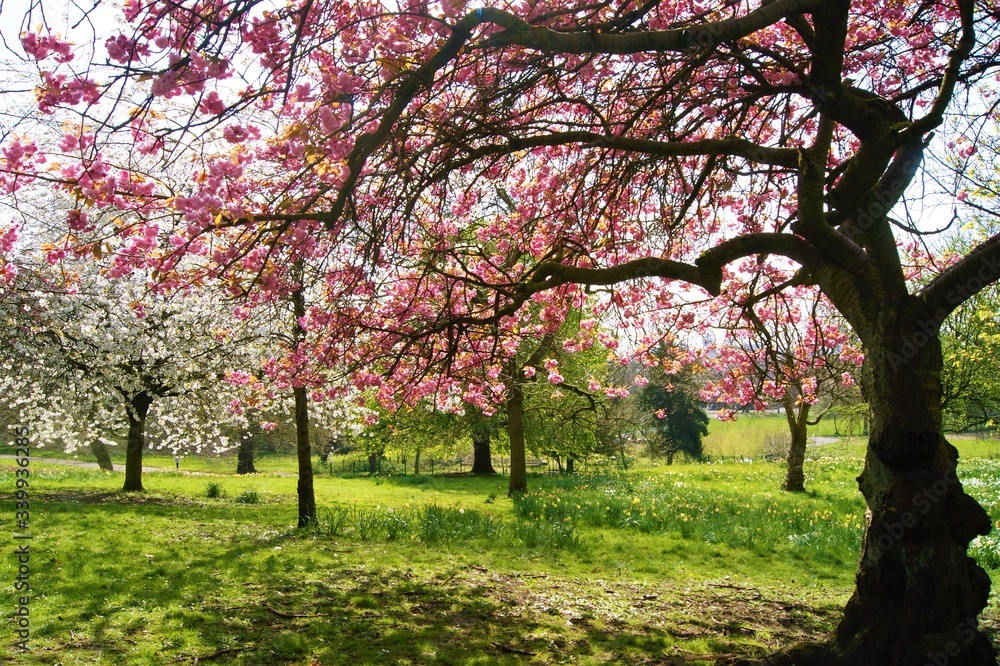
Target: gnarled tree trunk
918,592
136,443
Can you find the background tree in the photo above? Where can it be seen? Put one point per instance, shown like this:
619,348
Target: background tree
640,143
482,429
679,423
106,361
787,347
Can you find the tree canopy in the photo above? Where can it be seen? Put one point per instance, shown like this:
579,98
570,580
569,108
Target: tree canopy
446,167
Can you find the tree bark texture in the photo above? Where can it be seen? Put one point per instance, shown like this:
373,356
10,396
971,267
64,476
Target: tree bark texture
307,497
918,592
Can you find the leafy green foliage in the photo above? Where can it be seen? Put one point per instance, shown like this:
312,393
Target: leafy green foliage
215,490
679,422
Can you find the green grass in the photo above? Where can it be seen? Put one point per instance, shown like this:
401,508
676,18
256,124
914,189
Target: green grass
623,568
748,436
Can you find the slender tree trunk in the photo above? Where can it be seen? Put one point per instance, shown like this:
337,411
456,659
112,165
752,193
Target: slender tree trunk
244,455
515,428
416,463
136,443
918,592
482,462
373,459
100,451
795,477
307,497
569,465
623,458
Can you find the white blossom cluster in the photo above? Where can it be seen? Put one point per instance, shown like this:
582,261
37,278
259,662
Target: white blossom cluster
75,360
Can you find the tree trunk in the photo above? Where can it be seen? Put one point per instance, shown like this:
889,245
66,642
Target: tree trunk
137,410
373,459
244,455
416,463
569,465
795,477
515,428
307,497
100,451
482,463
918,592
622,454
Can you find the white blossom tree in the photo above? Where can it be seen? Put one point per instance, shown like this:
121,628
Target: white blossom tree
110,360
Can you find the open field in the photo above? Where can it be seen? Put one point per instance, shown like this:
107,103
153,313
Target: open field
663,565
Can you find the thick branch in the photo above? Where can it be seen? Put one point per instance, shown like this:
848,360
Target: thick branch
733,146
549,274
413,82
963,280
705,273
791,246
521,33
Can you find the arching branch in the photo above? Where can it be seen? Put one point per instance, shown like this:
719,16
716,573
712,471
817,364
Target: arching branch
521,33
963,280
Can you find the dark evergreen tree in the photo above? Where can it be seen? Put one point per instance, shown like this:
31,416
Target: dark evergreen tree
678,420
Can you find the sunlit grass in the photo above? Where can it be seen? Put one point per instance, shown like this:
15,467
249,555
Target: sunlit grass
430,569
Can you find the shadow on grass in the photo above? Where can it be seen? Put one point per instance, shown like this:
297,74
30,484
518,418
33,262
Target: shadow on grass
137,579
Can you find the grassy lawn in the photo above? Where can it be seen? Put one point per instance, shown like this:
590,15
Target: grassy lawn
685,562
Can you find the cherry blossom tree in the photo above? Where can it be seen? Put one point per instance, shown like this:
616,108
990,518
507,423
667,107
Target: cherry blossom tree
783,347
450,167
105,361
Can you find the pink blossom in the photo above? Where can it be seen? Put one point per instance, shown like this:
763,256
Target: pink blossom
555,378
8,238
212,104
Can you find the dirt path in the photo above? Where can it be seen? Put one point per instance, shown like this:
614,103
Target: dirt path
84,464
92,465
